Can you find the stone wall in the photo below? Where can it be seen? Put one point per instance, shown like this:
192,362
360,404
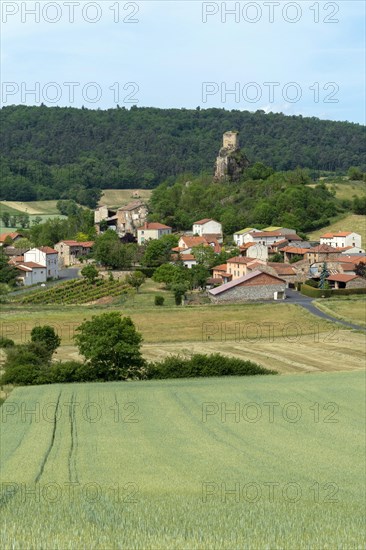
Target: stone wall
248,293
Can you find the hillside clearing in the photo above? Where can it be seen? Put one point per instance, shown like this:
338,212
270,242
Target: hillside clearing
113,198
351,222
168,465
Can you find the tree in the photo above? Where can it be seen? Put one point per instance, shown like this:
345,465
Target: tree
199,275
324,274
158,252
47,337
136,279
355,174
23,220
8,273
360,269
179,291
165,274
111,346
205,255
5,216
90,273
109,251
23,243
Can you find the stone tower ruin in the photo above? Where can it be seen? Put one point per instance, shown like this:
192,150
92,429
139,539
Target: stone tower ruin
231,162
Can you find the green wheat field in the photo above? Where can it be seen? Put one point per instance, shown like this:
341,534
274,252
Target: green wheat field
227,463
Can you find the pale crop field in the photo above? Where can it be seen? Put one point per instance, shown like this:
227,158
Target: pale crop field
226,463
118,197
281,336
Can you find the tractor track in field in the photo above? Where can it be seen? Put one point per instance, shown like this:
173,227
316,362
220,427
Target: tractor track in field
73,477
44,461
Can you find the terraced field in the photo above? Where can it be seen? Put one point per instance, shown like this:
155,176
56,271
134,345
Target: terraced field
239,463
117,197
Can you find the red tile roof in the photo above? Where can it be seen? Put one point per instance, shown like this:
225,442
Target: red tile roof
339,234
13,236
240,260
282,269
325,248
205,220
296,250
153,225
193,241
47,250
342,278
33,265
222,267
240,280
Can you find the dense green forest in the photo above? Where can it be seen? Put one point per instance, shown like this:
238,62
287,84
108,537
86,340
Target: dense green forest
263,197
53,152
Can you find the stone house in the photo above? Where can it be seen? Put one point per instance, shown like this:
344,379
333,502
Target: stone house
15,236
282,270
126,219
257,251
70,252
290,252
152,231
322,253
342,280
255,286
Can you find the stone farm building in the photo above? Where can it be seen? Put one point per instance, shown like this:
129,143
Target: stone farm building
126,219
254,286
70,252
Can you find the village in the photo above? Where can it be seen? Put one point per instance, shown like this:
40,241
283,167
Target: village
249,275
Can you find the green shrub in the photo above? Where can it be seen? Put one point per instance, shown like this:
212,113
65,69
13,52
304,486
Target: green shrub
200,365
348,291
6,342
315,292
159,300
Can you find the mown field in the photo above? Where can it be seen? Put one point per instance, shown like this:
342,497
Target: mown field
349,309
352,222
166,465
279,336
118,197
40,209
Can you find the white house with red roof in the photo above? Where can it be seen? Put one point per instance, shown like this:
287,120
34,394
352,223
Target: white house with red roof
152,231
341,239
46,257
207,226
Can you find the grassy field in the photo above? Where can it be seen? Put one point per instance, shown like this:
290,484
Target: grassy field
346,189
352,222
163,465
118,197
40,209
352,309
279,336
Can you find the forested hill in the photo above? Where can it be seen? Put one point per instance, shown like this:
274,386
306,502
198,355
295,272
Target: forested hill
50,152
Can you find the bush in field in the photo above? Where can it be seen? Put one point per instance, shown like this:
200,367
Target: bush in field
25,364
90,273
159,300
47,337
111,346
6,342
179,291
135,279
203,365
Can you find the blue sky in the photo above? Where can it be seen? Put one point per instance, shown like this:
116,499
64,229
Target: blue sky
310,55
